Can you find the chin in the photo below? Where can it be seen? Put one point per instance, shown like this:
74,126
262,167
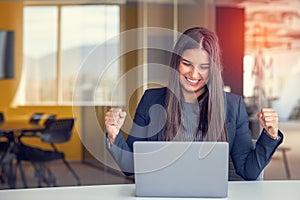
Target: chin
193,90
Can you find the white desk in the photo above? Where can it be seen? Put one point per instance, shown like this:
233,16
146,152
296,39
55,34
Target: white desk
258,190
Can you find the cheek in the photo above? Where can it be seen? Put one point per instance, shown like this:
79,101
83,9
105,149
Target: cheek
181,69
205,75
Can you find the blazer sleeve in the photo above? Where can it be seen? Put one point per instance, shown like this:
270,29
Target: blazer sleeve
121,150
248,161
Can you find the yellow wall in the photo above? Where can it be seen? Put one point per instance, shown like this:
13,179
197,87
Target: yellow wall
11,18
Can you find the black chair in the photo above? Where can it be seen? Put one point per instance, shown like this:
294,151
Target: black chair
58,131
36,118
7,159
2,118
37,126
49,120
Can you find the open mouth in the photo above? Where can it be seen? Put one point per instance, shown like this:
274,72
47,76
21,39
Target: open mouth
192,82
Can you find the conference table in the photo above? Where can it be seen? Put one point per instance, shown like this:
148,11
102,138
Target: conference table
246,190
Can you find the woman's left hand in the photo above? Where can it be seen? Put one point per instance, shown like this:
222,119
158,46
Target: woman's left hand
268,118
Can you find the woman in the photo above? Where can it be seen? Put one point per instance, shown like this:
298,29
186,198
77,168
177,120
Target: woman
196,109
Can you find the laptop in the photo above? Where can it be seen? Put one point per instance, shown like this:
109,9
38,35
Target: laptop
181,169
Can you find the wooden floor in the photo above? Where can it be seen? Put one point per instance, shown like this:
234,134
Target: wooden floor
90,175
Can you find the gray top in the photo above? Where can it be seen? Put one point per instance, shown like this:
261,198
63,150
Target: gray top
189,122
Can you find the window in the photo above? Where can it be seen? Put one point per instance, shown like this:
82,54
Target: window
40,46
57,41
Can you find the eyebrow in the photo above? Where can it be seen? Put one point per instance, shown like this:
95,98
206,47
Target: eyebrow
186,60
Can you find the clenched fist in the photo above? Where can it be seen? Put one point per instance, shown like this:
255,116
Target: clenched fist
269,120
114,120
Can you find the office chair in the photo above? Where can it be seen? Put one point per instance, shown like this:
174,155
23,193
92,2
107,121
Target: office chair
2,117
49,120
35,118
58,131
37,127
7,157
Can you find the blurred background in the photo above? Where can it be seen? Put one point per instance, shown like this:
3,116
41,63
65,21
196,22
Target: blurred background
65,58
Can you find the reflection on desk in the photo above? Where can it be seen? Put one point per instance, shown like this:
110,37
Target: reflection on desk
254,190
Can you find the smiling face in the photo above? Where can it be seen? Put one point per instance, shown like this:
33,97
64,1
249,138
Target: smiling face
193,73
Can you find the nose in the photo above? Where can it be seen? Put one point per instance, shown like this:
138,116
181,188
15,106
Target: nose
195,73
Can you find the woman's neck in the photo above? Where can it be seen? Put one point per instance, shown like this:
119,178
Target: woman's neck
192,97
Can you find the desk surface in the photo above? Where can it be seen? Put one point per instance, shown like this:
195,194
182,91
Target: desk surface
258,190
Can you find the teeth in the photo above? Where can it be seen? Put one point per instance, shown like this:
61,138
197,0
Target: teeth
193,81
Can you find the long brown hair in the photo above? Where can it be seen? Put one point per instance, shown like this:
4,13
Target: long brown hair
212,114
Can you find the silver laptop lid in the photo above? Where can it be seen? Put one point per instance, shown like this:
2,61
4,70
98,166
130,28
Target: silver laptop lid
181,169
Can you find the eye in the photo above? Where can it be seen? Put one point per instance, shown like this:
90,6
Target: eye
204,66
187,64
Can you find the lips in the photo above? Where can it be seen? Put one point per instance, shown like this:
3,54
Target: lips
193,82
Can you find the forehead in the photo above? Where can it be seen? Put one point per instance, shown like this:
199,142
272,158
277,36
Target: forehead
196,55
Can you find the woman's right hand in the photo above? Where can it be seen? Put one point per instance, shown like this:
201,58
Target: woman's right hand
114,120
